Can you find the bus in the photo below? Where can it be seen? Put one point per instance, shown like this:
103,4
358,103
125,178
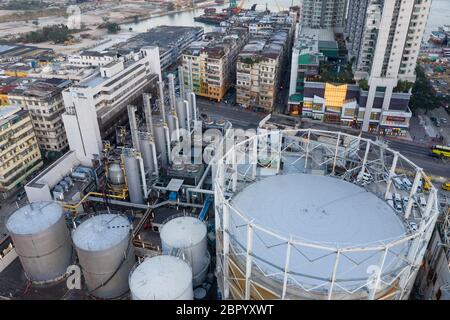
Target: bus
441,151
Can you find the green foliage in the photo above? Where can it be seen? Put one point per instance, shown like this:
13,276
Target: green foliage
171,6
58,33
24,5
329,73
423,94
112,27
364,84
403,86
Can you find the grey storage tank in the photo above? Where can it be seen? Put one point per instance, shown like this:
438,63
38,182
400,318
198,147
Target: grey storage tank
187,235
42,241
161,133
133,175
106,253
147,149
161,278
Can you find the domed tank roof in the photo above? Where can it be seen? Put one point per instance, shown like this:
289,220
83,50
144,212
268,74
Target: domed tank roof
161,278
34,218
183,232
101,232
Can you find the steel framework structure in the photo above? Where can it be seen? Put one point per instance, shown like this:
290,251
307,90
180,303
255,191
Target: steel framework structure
242,274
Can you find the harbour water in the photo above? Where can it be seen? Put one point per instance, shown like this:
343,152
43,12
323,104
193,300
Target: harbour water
439,15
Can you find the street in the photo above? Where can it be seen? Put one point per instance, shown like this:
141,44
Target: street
246,119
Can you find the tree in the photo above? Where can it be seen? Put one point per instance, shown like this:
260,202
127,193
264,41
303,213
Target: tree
423,93
112,27
364,84
171,6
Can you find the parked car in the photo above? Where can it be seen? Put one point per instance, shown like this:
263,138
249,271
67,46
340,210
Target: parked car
422,202
406,183
413,226
397,182
405,201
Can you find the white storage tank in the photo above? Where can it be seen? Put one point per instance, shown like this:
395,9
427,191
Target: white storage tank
115,174
42,241
106,253
161,278
187,235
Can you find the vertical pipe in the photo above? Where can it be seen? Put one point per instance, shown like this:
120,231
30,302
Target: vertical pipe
248,261
172,91
144,182
191,85
148,112
169,151
181,80
161,99
133,127
188,117
155,159
194,105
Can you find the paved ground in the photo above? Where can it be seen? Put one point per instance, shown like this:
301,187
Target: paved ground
7,207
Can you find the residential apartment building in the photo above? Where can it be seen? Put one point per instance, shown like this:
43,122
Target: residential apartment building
259,64
323,13
43,99
93,106
211,65
384,38
19,151
258,73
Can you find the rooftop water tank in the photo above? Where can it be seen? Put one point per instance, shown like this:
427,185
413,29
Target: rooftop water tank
106,254
42,240
161,278
188,236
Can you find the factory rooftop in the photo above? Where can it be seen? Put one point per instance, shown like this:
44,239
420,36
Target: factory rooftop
165,37
39,88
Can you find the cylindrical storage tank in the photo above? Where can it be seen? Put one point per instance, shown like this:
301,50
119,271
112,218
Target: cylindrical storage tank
133,174
188,235
161,143
145,143
42,241
172,122
161,278
115,174
106,254
181,113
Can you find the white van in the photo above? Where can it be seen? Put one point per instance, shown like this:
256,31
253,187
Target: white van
397,182
406,183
